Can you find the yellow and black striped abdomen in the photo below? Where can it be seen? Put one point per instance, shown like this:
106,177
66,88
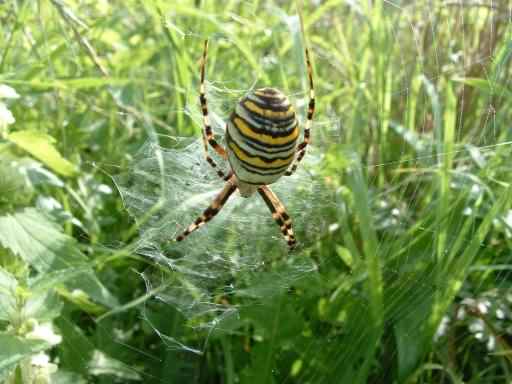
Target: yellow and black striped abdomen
262,136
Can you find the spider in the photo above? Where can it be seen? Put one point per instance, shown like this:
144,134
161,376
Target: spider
261,146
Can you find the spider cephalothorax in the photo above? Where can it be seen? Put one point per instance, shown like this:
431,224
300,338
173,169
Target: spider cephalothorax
261,146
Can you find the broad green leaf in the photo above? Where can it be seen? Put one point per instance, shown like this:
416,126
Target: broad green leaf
41,146
14,187
43,306
409,334
41,243
262,365
64,377
277,324
38,241
52,279
8,285
76,350
102,364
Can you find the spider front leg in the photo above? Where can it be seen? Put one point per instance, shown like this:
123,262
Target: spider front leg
207,128
214,208
301,149
278,214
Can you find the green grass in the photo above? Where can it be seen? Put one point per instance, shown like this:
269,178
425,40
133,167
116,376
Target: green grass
403,207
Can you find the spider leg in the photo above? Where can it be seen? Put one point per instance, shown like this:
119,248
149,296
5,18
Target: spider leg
210,212
301,149
278,214
207,128
212,162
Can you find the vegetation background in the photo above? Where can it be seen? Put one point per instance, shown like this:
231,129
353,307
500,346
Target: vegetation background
403,211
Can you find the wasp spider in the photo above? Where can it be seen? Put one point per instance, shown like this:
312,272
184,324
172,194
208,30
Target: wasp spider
261,146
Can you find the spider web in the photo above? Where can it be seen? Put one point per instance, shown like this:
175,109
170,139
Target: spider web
167,189
239,262
241,250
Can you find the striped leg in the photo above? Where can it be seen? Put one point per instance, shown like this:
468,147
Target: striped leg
212,162
214,208
278,214
207,131
301,149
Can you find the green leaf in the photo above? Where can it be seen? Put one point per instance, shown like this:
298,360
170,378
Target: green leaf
345,256
43,306
77,349
64,377
8,285
410,337
81,83
15,349
41,243
102,364
14,186
484,85
277,324
260,372
41,146
419,144
38,241
52,279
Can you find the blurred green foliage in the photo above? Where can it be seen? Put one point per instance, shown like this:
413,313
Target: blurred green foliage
411,280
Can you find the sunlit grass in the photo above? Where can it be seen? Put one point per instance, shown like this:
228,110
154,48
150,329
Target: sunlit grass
408,280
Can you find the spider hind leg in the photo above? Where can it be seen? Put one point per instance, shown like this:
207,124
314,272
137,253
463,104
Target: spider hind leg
210,212
278,214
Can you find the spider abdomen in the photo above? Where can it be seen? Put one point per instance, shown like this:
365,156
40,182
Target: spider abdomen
261,137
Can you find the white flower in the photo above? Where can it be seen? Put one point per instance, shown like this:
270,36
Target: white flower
7,92
491,343
6,116
477,326
40,360
45,332
442,328
42,369
483,306
36,369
